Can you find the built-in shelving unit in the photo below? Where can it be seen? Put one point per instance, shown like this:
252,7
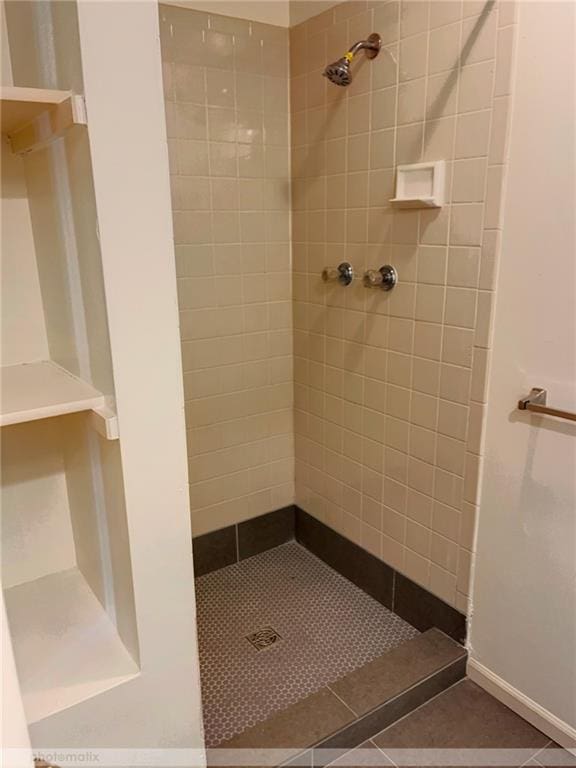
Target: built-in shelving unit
32,117
66,648
41,390
97,584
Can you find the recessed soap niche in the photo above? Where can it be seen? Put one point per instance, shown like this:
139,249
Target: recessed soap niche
420,185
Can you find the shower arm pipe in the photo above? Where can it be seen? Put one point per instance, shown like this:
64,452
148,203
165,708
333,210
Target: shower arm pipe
362,45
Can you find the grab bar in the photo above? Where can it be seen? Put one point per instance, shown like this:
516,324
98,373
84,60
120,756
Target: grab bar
536,402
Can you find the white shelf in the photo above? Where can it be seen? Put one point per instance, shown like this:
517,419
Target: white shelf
22,105
32,117
66,648
41,390
415,202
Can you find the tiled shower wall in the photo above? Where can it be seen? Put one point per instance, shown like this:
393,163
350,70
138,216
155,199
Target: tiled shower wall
390,389
226,92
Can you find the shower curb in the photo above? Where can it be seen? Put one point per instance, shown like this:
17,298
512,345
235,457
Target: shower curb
345,714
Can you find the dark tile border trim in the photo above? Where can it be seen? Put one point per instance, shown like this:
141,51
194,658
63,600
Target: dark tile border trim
214,550
229,545
407,599
423,610
356,564
267,531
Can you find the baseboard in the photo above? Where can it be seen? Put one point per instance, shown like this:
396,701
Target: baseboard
518,702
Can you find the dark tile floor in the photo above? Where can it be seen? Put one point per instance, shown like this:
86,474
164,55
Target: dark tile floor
462,726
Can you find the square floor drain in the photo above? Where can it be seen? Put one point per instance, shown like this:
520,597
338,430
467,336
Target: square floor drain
264,638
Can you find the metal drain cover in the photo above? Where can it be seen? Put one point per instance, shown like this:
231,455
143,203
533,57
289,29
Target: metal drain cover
264,638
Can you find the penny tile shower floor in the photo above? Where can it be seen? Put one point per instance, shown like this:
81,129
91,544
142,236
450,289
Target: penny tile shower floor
279,626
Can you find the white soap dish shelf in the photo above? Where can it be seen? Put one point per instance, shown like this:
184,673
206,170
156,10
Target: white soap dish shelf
420,185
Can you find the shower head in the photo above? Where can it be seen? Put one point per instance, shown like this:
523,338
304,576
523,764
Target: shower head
339,71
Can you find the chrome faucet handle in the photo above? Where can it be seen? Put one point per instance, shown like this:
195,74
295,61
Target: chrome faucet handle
343,273
385,278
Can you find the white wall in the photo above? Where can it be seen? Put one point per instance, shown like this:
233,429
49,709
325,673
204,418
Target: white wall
265,11
37,537
23,328
523,634
13,732
302,10
283,13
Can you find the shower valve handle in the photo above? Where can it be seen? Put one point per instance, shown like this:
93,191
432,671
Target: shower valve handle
343,274
385,278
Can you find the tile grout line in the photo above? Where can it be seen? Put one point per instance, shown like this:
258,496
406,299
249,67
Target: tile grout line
237,539
539,751
356,715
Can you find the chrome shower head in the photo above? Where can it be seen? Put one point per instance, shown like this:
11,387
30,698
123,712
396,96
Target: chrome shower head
339,71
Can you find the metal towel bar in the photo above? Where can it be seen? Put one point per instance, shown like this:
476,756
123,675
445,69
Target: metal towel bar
536,402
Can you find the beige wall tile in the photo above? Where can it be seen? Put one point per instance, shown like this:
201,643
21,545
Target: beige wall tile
414,17
412,61
464,267
416,568
472,134
444,553
418,538
455,383
444,48
499,133
419,508
423,444
439,138
442,93
461,307
238,359
479,35
430,303
424,410
426,376
476,82
411,101
469,181
466,224
452,419
444,12
504,60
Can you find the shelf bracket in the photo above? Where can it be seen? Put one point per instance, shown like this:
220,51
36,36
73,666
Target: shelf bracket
50,125
105,421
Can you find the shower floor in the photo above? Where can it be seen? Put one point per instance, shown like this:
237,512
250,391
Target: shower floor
277,627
